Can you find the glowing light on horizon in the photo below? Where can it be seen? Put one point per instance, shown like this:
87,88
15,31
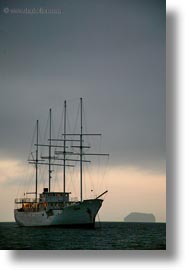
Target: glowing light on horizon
130,189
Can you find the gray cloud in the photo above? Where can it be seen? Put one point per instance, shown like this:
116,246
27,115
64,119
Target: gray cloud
110,52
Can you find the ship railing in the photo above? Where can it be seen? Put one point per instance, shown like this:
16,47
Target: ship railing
26,200
34,200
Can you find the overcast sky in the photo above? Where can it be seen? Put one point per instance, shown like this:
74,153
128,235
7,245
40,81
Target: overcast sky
112,53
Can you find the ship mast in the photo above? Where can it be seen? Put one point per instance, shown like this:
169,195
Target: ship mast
37,135
35,161
49,156
64,145
81,152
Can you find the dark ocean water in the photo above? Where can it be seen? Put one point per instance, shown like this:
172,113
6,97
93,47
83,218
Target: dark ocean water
110,236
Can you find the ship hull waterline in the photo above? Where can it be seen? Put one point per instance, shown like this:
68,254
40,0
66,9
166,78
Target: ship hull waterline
81,214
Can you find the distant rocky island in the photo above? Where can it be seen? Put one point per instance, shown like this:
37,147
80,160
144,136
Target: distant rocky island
140,217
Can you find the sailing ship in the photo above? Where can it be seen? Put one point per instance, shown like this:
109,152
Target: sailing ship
51,208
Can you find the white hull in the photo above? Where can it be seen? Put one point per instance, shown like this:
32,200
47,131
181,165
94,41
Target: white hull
77,214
